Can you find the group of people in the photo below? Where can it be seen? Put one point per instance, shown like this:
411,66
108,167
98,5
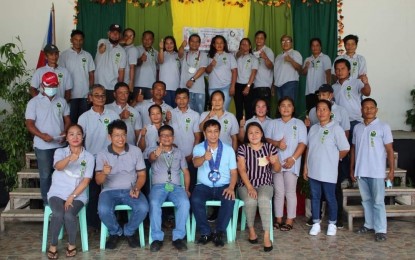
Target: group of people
147,138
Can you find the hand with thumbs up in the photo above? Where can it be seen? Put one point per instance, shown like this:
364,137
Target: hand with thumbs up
107,168
282,145
143,57
242,122
168,116
140,96
208,154
161,44
125,114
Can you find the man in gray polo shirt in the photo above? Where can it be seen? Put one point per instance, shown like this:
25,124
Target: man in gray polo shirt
47,118
81,66
110,61
120,169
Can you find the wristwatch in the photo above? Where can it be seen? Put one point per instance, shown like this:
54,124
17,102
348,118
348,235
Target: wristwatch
248,85
73,195
193,79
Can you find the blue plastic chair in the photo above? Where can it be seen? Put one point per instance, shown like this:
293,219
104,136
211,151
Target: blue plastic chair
243,220
104,229
169,204
83,229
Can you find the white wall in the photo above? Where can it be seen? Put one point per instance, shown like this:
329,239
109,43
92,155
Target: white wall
385,29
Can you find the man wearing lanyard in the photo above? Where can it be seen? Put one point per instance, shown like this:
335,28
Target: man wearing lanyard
216,179
166,164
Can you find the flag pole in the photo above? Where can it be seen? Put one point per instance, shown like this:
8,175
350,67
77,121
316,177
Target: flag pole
53,24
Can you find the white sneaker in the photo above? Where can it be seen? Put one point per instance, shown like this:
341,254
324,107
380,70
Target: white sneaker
315,229
331,230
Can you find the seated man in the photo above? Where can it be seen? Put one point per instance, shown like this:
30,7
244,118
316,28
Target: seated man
120,169
166,164
216,179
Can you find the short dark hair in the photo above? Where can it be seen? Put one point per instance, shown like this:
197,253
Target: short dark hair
117,124
328,103
155,106
158,82
256,102
180,91
261,32
246,139
195,35
211,122
315,40
249,41
346,62
369,100
128,29
77,32
121,84
165,128
148,32
355,38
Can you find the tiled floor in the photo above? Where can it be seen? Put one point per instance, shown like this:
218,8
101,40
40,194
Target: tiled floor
23,241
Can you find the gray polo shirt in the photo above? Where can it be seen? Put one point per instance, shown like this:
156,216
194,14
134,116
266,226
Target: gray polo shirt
229,125
145,105
95,128
264,75
370,151
195,60
159,167
79,65
151,138
338,114
64,77
185,125
133,122
324,145
246,63
283,71
108,64
66,181
145,74
132,57
266,124
124,167
221,74
48,116
348,95
316,73
170,70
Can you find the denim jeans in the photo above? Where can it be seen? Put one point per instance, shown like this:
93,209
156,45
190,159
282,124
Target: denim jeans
111,198
372,191
329,192
178,196
78,107
225,91
45,166
170,98
203,193
197,102
289,89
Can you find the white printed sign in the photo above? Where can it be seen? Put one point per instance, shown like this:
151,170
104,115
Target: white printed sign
232,35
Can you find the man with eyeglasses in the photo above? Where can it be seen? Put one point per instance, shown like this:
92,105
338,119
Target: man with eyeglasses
121,171
95,122
287,67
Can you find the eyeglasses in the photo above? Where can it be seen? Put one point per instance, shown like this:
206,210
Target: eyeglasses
119,136
99,96
285,41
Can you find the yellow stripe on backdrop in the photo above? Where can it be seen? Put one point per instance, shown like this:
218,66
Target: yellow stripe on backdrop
209,13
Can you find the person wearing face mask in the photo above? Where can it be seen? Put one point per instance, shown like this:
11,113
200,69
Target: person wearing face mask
47,119
110,62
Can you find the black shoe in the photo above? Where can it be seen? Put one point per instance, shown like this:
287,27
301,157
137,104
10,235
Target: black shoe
133,241
339,225
364,230
156,245
309,222
380,237
179,244
112,242
213,216
218,239
204,239
268,248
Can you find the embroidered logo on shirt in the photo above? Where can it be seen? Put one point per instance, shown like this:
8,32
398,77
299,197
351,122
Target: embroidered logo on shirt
131,117
106,121
60,77
349,89
226,124
83,62
294,131
325,133
187,123
224,60
59,106
332,116
372,136
83,167
117,57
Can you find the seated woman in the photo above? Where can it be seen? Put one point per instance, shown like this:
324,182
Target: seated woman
73,170
255,159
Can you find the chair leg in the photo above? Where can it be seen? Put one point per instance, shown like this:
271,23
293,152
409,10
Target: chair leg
188,230
193,228
141,235
103,239
46,216
83,229
271,225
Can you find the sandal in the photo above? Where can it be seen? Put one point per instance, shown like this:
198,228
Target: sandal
278,225
286,227
53,255
70,252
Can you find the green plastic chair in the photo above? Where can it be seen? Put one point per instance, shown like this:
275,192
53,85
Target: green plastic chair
83,229
104,229
169,204
243,220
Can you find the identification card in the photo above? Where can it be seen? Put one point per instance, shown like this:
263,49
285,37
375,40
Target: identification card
169,187
192,70
262,161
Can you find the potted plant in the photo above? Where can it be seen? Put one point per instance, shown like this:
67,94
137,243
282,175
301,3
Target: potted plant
410,114
14,86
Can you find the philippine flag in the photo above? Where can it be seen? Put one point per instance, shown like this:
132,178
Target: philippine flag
49,38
